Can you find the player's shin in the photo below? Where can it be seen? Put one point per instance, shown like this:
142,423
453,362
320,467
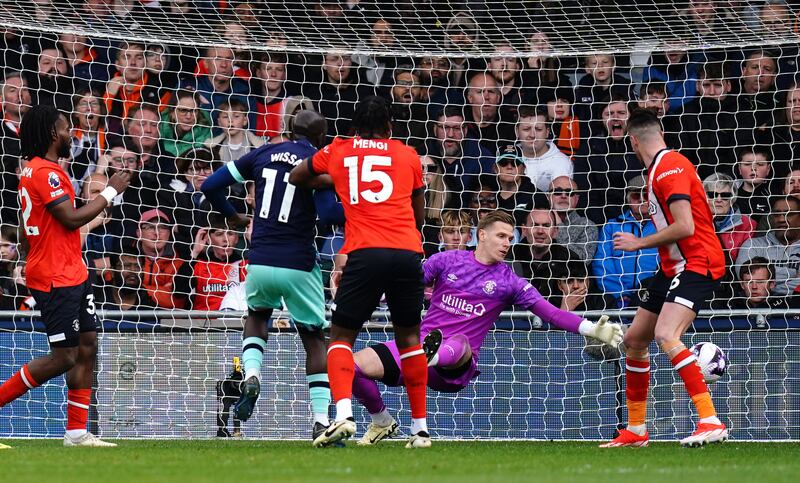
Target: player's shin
20,383
341,371
367,392
414,368
686,365
78,401
320,393
637,384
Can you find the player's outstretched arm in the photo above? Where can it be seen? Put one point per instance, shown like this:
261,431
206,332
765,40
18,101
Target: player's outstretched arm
214,189
73,219
681,228
602,330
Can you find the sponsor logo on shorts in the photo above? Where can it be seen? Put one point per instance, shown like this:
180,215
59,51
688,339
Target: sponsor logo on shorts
459,306
489,287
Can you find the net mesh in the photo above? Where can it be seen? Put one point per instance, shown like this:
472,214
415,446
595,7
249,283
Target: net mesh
511,105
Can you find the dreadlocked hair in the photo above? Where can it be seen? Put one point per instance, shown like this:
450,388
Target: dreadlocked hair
36,131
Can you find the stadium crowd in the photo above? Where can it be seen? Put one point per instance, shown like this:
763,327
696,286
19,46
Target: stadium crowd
539,136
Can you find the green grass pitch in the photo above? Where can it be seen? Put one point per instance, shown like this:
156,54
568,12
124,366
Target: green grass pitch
254,461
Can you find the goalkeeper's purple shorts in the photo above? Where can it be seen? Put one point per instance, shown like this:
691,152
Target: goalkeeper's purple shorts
441,380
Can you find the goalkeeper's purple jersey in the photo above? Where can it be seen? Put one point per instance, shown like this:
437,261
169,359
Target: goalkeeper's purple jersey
468,296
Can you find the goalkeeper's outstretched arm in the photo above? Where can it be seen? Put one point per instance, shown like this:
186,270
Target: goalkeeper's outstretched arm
602,330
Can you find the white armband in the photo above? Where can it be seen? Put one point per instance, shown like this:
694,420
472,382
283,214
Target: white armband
109,194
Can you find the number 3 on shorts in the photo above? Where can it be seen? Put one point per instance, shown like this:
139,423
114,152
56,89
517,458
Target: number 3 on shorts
90,308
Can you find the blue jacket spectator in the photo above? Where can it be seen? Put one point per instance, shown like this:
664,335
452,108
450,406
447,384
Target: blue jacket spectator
621,274
679,76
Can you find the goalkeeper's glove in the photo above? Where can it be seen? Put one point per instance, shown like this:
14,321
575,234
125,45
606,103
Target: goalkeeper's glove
611,334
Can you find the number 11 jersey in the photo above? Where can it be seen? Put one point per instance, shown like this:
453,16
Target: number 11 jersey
375,179
285,217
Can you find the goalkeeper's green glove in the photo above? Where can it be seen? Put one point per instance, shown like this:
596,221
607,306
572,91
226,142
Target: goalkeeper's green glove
611,334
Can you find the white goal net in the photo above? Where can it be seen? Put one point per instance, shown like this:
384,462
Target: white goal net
512,105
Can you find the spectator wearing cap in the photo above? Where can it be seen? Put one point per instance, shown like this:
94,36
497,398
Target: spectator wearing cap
566,128
484,202
543,160
622,274
575,231
184,125
483,113
462,33
516,193
462,159
600,85
165,276
574,291
220,84
679,76
538,257
216,264
610,162
708,122
781,245
732,227
409,116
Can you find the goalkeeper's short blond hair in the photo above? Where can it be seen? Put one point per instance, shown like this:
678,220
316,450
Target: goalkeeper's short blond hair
497,216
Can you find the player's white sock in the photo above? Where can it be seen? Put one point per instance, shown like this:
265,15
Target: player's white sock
382,418
711,420
253,372
322,419
639,429
419,424
344,409
75,433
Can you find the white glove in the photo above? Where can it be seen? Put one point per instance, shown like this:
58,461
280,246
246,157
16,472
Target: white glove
611,334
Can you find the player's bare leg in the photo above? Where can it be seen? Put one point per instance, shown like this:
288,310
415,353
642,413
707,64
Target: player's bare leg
37,372
637,380
317,377
414,367
369,368
254,343
79,395
672,324
341,371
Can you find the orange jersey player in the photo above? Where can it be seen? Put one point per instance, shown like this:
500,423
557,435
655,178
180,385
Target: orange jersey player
55,273
379,181
692,263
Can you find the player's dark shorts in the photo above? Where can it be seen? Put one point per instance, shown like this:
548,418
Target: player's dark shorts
689,289
372,272
441,380
67,312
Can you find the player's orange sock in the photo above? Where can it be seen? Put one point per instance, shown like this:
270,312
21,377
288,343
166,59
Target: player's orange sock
685,363
637,383
17,385
78,401
341,370
414,367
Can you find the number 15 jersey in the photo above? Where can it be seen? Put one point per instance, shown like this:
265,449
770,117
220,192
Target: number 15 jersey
375,179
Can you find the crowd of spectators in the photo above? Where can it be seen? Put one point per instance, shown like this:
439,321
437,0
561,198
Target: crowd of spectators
540,136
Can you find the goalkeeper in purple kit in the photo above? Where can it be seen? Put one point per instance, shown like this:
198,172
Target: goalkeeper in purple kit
470,290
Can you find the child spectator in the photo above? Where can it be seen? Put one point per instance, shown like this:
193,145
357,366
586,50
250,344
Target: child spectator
757,287
678,74
753,185
566,127
216,264
236,140
599,85
574,292
455,232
